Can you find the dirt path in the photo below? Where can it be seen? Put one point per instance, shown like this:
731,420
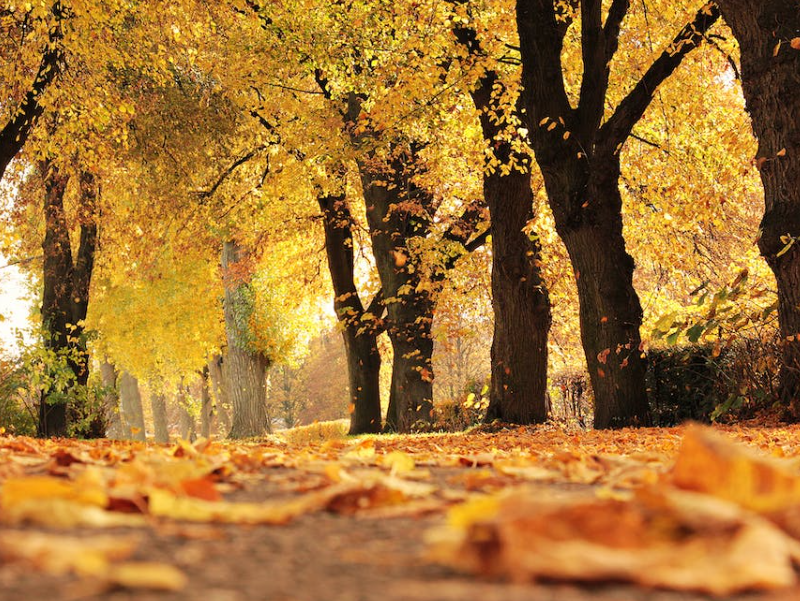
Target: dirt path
317,557
322,555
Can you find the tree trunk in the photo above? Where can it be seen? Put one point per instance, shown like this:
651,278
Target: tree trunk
409,306
65,300
56,304
247,368
187,425
219,387
770,71
207,407
359,327
158,405
118,428
520,301
521,305
131,401
578,153
610,312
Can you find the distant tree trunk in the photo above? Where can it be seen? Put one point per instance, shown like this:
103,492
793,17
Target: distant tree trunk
118,428
187,425
771,80
65,299
578,153
219,387
519,294
158,406
131,401
360,327
247,368
207,407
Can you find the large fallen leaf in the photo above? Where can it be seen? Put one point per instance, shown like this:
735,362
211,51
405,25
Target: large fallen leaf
660,538
146,575
97,558
59,554
711,463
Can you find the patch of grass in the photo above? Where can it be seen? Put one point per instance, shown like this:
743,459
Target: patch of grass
316,432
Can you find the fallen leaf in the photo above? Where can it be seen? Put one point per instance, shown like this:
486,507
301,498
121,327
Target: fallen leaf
665,538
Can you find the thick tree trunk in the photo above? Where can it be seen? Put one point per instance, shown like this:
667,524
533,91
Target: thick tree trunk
65,300
247,368
521,305
610,312
520,301
578,153
131,401
359,326
770,71
56,303
409,306
158,406
118,428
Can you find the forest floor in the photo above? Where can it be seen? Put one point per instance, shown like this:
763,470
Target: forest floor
537,514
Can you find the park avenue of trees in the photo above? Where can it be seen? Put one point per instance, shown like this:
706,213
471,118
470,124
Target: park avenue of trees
514,209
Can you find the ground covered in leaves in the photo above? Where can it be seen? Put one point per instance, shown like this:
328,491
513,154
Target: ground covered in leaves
519,513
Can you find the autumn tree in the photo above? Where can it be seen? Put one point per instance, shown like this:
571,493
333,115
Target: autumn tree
768,34
360,325
577,151
66,282
520,301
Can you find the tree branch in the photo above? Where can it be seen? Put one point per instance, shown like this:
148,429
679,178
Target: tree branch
617,129
616,14
15,133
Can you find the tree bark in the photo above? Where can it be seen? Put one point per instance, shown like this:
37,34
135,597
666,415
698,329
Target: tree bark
520,301
158,406
579,160
409,306
770,72
219,387
131,401
118,428
360,327
187,425
247,368
207,406
65,300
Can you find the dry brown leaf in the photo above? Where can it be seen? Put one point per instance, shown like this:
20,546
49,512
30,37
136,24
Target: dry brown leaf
664,538
711,463
146,575
59,554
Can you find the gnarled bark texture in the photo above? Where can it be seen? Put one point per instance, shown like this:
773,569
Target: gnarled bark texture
359,326
770,71
520,301
579,158
65,298
246,368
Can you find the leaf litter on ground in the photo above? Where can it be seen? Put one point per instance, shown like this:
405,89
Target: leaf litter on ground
679,508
